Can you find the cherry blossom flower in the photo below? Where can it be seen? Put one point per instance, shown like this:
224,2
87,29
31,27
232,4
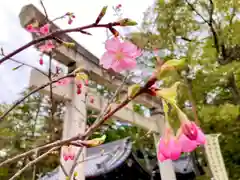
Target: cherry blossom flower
64,81
41,61
47,47
118,6
119,55
44,29
190,135
31,29
187,144
68,153
169,147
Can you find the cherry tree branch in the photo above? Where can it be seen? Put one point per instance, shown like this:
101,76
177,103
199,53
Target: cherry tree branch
33,162
23,64
29,94
89,130
53,35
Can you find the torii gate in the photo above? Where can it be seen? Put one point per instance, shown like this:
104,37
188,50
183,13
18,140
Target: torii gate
75,121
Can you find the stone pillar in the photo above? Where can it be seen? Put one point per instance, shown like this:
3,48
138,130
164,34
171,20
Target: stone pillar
74,123
166,168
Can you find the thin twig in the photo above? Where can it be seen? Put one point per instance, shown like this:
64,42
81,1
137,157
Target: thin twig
29,94
50,145
51,90
75,162
112,99
33,162
63,169
44,9
81,148
25,64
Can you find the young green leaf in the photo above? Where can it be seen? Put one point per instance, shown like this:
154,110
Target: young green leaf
133,90
169,94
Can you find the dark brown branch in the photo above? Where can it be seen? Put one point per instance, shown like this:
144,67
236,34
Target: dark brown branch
208,22
44,9
88,132
54,34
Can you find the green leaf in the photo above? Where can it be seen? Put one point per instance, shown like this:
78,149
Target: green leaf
133,90
95,142
127,22
170,66
169,94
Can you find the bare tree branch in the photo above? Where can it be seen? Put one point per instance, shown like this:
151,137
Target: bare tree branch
54,34
23,64
29,94
33,162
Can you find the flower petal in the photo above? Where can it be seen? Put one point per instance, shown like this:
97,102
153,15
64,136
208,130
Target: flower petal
175,149
186,144
107,60
164,148
161,157
130,50
124,64
113,44
201,139
117,67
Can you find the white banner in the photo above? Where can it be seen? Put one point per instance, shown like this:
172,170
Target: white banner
215,158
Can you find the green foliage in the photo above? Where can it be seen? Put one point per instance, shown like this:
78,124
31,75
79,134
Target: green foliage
29,125
206,34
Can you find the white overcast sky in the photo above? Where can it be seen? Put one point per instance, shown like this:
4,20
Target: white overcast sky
13,36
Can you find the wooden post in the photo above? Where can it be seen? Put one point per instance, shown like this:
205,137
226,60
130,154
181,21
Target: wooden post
74,123
166,168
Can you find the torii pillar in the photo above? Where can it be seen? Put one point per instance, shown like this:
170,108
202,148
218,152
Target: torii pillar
74,123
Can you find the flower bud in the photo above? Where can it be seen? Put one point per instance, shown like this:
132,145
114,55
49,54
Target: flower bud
102,13
41,61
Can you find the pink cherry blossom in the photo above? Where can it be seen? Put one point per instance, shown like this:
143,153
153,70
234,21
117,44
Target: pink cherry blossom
119,55
47,47
161,157
190,135
68,153
169,147
187,144
31,29
64,81
44,29
192,131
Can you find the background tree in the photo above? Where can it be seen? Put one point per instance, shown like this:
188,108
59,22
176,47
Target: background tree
205,33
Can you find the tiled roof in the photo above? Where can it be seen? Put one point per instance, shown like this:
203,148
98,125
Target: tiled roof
101,159
104,158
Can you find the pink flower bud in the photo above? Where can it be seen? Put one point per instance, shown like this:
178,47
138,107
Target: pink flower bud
190,130
118,6
70,21
31,29
68,153
79,91
91,100
79,86
86,82
65,157
41,61
45,29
